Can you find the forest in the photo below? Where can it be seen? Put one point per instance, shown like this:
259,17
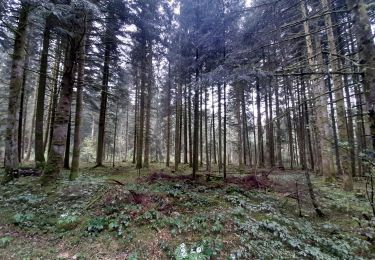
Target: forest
187,129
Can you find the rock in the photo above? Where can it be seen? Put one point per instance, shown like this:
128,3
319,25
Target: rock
175,214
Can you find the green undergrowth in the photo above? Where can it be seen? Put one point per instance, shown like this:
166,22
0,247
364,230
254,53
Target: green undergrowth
116,213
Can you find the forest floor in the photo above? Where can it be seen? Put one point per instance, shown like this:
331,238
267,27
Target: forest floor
118,213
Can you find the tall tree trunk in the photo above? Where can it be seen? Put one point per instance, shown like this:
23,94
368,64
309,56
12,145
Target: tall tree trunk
56,155
78,115
259,127
22,109
289,124
169,116
245,136
103,104
31,134
280,164
177,151
334,128
48,120
196,120
24,144
213,126
185,127
67,146
339,97
239,126
220,150
126,134
39,123
301,126
312,91
190,131
366,50
11,162
323,134
271,135
136,112
55,91
208,160
141,118
225,134
201,125
148,106
115,136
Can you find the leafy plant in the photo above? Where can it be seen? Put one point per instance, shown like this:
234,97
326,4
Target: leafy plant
5,241
202,250
23,219
67,222
97,225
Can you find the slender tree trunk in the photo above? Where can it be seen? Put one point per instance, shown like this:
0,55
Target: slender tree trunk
185,128
39,123
339,96
115,136
289,125
225,133
213,126
177,153
48,126
220,150
201,125
239,127
196,120
271,135
280,164
55,91
136,112
67,146
208,160
254,131
79,109
24,144
169,116
31,134
148,106
245,136
190,131
301,127
324,135
11,162
259,126
22,109
103,105
141,118
126,134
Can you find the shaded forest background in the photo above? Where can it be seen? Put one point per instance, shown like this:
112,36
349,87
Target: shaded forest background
260,84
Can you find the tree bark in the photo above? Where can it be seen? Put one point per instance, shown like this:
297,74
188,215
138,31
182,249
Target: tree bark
22,110
79,109
11,161
103,104
259,127
366,50
177,151
56,155
55,91
67,146
169,116
39,123
339,96
148,105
